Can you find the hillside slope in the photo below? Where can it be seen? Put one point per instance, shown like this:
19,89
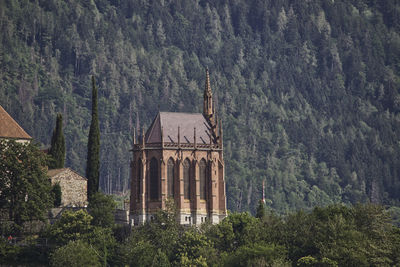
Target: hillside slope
308,90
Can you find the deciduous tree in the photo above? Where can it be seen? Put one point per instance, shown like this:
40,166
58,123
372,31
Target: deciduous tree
25,188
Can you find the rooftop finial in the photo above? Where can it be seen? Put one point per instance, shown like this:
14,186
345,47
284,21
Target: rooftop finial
143,137
208,87
208,103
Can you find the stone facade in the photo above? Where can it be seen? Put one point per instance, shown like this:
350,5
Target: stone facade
180,158
73,187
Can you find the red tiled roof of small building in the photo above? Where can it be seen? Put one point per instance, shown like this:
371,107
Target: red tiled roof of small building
9,128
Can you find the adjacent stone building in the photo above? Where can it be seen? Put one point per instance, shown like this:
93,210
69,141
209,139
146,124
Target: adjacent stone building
180,158
73,187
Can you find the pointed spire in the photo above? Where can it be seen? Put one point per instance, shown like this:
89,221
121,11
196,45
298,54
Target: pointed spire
143,137
208,102
208,87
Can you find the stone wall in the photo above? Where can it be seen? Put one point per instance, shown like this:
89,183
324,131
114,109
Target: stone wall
73,187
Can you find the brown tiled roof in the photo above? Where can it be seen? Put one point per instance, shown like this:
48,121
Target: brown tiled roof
170,121
55,172
9,128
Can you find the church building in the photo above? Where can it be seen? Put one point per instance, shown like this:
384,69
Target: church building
180,158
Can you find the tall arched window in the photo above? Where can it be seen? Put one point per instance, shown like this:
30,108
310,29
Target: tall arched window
139,178
186,178
170,178
154,192
203,180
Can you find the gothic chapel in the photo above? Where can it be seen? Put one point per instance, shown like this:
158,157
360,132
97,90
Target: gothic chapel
180,158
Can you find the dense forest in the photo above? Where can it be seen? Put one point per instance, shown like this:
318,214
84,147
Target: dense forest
308,91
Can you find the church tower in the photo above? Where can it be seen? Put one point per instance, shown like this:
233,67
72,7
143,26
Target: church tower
180,158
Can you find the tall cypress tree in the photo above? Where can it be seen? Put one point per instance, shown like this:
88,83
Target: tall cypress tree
93,155
57,149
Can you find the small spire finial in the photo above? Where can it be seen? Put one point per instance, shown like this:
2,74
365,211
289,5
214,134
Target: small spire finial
207,85
208,102
143,136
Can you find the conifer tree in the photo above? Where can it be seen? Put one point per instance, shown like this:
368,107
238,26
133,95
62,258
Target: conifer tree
260,210
57,149
93,155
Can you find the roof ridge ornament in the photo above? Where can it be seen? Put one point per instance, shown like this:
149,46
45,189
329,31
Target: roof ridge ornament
208,109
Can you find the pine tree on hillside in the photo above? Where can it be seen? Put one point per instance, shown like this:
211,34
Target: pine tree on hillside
93,155
260,213
57,149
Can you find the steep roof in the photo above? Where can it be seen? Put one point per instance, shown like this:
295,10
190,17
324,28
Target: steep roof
9,128
54,172
170,121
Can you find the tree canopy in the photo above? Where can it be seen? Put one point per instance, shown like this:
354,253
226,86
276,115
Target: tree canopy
25,188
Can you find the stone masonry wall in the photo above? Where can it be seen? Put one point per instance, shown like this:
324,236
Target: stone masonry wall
73,188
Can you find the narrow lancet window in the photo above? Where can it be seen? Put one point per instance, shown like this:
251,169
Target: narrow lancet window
186,178
154,181
170,178
139,179
203,180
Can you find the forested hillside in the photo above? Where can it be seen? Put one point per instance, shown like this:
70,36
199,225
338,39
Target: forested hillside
308,91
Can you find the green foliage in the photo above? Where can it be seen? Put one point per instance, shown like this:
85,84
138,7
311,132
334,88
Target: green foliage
93,154
75,254
8,252
311,261
71,226
238,229
56,190
143,253
77,226
261,212
57,149
25,188
102,208
344,235
257,255
194,249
